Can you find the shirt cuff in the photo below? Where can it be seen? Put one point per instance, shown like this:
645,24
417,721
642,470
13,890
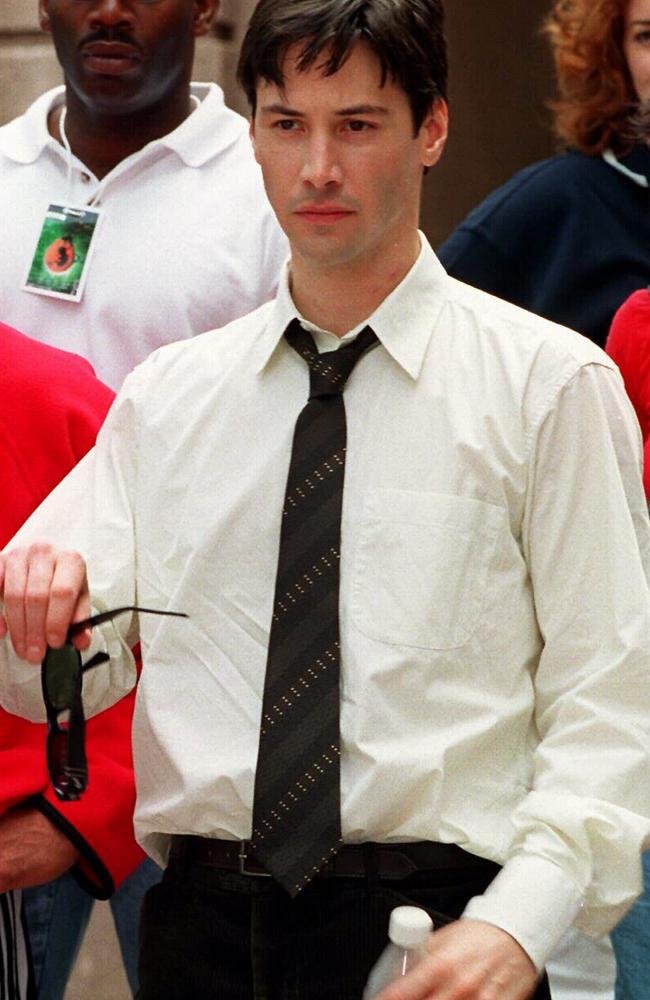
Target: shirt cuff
531,899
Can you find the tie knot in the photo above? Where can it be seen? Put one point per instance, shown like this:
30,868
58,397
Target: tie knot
328,372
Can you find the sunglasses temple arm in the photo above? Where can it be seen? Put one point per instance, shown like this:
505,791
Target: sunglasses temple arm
76,755
94,661
107,616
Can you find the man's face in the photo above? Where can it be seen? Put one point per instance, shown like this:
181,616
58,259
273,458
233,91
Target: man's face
125,55
341,164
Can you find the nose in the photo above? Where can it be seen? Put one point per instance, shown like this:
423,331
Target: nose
321,168
112,14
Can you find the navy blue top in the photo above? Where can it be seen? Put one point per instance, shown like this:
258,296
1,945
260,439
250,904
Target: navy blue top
568,238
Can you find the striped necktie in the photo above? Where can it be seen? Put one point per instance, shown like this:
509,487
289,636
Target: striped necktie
296,808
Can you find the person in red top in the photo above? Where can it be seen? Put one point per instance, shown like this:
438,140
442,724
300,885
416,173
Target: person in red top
51,407
628,345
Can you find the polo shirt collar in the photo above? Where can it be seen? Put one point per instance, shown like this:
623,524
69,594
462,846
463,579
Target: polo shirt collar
404,322
24,139
209,130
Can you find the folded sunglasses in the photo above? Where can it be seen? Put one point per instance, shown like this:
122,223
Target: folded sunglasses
61,677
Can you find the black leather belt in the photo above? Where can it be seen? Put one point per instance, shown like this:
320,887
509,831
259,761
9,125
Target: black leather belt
388,861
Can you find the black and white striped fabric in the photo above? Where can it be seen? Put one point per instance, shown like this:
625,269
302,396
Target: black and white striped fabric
14,960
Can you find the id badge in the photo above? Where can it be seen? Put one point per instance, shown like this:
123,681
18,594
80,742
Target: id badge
61,261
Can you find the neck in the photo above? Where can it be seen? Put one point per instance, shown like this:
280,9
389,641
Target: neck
341,297
101,140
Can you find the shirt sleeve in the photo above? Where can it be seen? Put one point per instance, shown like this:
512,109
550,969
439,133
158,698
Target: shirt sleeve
586,539
628,344
90,512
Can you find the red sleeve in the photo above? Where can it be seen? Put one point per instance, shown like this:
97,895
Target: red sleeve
100,824
51,407
628,344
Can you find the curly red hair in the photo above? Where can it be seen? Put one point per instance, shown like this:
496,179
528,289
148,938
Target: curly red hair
596,95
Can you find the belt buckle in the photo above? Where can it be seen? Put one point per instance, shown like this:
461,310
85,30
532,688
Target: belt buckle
243,844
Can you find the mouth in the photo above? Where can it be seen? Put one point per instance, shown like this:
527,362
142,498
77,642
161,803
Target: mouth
324,215
110,58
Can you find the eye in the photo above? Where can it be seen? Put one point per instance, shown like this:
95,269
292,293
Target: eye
286,125
643,35
356,125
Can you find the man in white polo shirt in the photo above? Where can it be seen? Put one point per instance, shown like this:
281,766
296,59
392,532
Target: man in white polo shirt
133,214
151,178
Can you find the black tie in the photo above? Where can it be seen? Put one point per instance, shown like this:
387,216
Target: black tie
297,803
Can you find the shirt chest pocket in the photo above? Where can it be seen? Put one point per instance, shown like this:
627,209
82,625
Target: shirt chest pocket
421,567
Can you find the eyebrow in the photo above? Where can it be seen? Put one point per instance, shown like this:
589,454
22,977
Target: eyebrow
357,109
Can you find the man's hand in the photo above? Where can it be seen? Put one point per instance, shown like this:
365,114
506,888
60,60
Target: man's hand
468,960
44,591
32,850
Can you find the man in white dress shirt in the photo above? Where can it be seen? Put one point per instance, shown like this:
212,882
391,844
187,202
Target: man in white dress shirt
493,604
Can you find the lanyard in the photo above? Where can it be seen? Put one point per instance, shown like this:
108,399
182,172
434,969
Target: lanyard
68,150
66,145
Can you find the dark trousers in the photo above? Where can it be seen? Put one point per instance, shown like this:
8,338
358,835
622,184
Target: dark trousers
218,935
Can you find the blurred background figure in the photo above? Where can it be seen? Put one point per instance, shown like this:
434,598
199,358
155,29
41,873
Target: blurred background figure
629,346
179,238
51,407
568,237
145,183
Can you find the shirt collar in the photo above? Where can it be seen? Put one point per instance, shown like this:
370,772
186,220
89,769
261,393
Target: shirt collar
635,165
24,139
404,322
209,130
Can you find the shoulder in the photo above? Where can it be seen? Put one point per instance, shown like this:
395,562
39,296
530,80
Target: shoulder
25,361
550,185
531,350
182,368
59,380
631,325
23,138
635,310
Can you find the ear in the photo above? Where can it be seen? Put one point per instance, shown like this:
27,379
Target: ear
43,15
433,133
205,12
251,133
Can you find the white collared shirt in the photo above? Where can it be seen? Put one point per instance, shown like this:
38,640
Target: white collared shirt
187,242
494,606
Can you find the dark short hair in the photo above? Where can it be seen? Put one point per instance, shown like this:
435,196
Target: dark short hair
407,36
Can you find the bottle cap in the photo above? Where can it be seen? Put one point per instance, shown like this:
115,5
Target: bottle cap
409,926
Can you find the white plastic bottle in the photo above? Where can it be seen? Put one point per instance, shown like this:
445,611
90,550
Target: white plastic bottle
408,932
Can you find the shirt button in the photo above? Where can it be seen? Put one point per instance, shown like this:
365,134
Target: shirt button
85,178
